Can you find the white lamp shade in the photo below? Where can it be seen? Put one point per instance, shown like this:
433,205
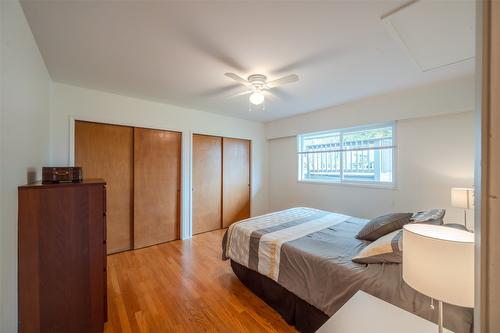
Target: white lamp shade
438,261
462,197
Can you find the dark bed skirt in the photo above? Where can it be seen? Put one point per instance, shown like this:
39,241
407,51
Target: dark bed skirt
297,312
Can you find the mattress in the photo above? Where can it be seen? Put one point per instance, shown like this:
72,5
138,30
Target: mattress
308,252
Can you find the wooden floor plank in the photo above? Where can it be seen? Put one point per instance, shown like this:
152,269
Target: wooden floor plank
183,286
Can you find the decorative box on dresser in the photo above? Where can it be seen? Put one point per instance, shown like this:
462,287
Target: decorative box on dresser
62,257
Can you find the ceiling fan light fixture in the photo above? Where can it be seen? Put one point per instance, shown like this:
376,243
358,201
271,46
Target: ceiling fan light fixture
256,84
256,98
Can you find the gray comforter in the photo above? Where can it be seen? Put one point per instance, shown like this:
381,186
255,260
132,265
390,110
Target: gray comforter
317,266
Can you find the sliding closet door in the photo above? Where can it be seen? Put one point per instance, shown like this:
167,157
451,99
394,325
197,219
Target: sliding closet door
207,183
157,161
236,180
106,151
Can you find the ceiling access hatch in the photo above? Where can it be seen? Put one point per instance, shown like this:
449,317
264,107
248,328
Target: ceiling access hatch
434,34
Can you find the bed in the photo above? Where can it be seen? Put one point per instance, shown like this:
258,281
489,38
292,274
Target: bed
299,262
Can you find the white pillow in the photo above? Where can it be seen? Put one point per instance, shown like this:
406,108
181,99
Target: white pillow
386,249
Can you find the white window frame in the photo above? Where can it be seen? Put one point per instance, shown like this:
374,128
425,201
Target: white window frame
359,183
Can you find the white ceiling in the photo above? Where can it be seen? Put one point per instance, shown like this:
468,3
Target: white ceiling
177,52
445,37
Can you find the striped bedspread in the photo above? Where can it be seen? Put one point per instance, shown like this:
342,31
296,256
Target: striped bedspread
309,253
256,242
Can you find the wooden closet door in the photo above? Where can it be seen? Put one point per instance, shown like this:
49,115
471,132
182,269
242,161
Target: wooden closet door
106,151
236,180
207,183
157,175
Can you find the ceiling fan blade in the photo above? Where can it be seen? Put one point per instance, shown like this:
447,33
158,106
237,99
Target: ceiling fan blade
280,94
241,94
284,80
237,78
216,92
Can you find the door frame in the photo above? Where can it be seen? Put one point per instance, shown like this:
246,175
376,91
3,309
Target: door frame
186,195
479,226
186,168
250,162
250,168
487,175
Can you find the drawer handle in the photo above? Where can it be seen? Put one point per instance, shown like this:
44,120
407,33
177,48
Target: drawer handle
62,173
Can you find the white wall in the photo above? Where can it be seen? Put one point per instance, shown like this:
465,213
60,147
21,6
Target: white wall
85,104
443,97
435,153
24,139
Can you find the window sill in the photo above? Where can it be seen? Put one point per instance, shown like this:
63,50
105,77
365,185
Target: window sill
351,184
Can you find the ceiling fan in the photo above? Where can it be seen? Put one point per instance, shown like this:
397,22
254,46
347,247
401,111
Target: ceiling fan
257,84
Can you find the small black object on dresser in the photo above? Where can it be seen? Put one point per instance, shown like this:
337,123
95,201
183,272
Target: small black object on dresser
61,174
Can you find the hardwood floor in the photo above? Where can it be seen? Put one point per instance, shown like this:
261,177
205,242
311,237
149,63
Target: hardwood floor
183,286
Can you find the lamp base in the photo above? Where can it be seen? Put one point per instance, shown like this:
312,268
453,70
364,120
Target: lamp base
440,318
465,219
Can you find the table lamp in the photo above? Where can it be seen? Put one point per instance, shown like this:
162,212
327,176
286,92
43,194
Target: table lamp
438,261
462,198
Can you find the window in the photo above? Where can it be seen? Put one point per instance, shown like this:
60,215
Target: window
361,155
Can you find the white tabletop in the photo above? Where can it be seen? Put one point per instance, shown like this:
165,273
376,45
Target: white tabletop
364,313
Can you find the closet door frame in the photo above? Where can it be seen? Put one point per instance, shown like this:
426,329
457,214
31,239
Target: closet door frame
185,192
250,168
193,184
138,242
131,226
249,174
186,199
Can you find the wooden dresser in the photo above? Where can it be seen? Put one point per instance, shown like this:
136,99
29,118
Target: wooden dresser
62,257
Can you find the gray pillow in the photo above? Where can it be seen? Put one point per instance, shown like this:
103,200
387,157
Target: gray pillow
433,216
383,225
386,249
